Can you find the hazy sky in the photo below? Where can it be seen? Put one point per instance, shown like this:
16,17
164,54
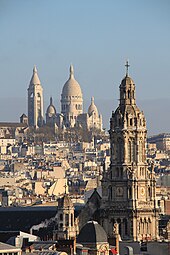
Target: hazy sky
96,37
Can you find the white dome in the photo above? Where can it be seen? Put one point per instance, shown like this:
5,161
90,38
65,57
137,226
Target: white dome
92,108
51,108
71,87
35,79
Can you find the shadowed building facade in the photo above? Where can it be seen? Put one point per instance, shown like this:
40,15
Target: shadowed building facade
129,187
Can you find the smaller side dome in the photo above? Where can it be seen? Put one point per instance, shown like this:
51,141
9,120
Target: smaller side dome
92,232
65,201
92,108
127,80
51,108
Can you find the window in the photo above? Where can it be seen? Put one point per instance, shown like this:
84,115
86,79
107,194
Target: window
120,150
67,220
133,94
117,172
129,151
133,151
130,192
128,93
140,151
125,226
71,219
131,122
111,174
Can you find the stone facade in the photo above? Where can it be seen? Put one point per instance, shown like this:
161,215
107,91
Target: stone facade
92,119
35,101
129,187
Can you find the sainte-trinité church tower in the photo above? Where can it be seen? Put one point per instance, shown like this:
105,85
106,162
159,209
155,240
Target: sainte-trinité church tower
129,187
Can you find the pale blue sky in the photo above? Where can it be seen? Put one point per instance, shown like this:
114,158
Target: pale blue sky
96,37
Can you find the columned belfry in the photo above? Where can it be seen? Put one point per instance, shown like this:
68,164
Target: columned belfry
129,186
35,101
66,227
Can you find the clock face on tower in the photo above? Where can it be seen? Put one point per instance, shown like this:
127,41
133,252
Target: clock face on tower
142,191
119,191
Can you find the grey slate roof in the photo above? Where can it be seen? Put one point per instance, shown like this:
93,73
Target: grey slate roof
92,232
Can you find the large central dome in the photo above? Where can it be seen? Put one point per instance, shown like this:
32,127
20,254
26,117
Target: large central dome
71,87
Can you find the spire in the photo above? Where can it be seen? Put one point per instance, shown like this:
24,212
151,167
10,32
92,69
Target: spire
35,79
51,101
127,67
65,186
92,100
71,71
34,69
92,108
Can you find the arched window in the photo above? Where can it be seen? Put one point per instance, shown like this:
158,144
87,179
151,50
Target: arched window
133,151
119,222
121,172
149,192
71,219
111,174
125,226
119,150
140,151
110,193
61,216
128,93
130,192
133,94
117,172
67,219
129,151
131,121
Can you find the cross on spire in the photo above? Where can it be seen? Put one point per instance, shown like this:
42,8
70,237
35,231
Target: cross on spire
127,67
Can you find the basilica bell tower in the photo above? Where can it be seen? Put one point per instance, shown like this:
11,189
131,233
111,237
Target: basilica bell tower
129,186
35,101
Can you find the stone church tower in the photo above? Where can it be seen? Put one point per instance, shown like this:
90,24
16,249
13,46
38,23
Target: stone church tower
66,227
35,101
129,187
